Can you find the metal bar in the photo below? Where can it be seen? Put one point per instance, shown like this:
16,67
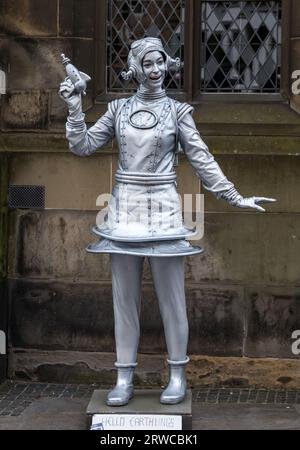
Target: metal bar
189,38
285,49
197,47
100,48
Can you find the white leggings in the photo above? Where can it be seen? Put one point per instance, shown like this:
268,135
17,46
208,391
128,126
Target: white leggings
168,277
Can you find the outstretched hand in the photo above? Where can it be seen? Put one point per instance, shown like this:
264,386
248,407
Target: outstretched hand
253,202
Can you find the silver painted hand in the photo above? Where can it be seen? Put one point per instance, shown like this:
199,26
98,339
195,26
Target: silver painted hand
69,96
253,202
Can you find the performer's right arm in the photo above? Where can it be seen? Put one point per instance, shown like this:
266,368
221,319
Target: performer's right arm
83,141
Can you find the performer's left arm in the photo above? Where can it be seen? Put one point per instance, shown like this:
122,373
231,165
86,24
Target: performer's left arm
208,170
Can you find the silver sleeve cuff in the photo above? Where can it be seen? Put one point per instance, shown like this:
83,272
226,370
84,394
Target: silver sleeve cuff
76,123
232,196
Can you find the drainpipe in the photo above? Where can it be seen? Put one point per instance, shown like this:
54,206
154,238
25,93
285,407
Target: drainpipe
3,214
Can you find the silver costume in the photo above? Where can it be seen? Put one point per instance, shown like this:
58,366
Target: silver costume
144,217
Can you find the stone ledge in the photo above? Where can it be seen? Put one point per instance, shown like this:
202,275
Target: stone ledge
81,367
245,128
87,367
231,113
36,142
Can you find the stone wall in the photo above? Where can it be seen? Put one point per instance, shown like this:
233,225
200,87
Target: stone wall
33,34
3,263
242,293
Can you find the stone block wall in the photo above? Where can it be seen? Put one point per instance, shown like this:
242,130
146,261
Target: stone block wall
33,34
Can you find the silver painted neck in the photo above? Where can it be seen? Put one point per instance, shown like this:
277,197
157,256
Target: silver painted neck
150,95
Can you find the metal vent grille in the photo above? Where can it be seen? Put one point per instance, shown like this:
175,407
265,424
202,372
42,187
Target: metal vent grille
26,197
248,396
241,46
130,20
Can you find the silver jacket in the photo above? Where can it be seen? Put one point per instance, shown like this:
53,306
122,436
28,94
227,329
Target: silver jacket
140,151
145,205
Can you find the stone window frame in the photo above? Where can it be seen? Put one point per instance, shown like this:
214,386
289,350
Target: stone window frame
191,91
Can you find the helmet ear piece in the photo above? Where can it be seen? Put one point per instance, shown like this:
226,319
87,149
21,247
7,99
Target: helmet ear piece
173,63
127,75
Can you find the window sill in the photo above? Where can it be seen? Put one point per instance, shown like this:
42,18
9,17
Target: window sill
256,129
252,119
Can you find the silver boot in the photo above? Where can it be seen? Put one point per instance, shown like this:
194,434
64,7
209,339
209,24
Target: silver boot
123,390
176,389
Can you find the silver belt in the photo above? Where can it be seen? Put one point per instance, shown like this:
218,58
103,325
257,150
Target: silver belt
145,178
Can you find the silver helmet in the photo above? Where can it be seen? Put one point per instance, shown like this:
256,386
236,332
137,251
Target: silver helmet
137,52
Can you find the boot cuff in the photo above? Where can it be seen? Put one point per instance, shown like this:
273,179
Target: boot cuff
178,363
125,366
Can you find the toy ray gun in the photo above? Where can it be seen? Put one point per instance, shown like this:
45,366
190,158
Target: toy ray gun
79,79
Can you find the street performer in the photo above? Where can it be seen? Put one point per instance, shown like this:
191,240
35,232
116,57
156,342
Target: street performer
144,217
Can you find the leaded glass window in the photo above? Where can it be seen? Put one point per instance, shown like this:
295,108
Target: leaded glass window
135,19
241,44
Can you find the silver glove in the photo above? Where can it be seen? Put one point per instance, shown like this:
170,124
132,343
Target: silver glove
253,202
73,100
233,197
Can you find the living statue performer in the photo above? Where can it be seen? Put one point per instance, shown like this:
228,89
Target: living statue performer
144,217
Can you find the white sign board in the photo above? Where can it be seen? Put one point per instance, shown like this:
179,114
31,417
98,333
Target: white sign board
136,422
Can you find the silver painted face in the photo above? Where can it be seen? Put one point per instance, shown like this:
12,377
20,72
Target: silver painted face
154,69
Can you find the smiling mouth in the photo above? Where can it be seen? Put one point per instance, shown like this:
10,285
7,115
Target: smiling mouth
155,78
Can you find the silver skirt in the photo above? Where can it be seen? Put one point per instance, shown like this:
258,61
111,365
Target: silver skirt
144,217
139,213
164,249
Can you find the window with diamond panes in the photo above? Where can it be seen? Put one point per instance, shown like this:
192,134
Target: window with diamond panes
128,21
241,46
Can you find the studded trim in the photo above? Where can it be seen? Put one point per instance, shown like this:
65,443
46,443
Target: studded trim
157,138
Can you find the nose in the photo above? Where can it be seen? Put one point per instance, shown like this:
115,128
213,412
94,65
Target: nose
155,68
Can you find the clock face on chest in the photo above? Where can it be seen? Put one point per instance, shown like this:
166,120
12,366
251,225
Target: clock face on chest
143,119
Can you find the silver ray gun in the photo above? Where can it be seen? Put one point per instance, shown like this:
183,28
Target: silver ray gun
79,79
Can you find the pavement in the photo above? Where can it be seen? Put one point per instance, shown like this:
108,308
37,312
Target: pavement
43,406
